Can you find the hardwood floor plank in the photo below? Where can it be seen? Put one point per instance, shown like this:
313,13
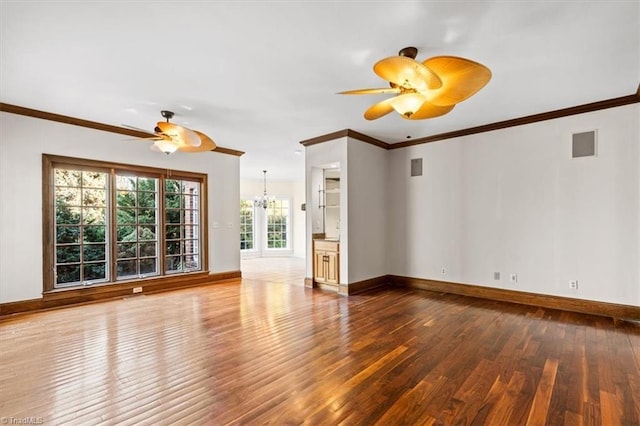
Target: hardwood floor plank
634,385
501,412
473,391
572,419
412,406
270,351
540,406
489,402
609,407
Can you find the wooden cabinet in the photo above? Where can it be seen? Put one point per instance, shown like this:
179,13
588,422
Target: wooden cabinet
326,262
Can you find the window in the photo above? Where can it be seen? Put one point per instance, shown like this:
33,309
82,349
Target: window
247,231
136,226
182,204
81,226
278,224
109,222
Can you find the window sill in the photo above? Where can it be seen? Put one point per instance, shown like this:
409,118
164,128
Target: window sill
148,284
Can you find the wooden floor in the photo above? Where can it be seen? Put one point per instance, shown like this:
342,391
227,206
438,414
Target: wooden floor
269,351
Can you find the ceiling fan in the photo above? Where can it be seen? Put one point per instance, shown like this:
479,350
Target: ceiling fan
424,90
170,137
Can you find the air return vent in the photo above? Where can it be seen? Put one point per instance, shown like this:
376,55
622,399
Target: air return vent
583,144
416,167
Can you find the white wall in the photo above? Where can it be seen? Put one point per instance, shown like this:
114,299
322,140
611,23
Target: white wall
299,219
514,201
23,140
424,212
314,205
367,210
292,190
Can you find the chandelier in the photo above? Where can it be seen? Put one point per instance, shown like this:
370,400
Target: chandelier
264,201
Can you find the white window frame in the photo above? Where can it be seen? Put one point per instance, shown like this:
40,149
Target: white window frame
288,250
253,228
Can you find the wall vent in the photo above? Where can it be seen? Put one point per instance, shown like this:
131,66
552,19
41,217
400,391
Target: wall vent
583,144
416,167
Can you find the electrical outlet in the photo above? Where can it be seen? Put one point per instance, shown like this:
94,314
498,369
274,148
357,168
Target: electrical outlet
573,284
496,276
513,278
137,289
443,271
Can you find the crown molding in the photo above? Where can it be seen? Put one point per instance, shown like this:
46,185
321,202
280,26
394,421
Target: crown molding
550,115
346,133
368,139
520,121
325,138
59,118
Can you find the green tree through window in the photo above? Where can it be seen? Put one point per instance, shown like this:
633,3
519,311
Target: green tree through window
81,227
136,226
182,225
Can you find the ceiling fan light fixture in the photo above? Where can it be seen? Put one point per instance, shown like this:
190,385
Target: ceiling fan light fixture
166,146
407,104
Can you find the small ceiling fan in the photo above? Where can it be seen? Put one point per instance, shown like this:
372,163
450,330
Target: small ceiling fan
424,90
170,137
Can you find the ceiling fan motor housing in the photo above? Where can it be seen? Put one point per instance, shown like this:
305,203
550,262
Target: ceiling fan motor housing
167,114
409,52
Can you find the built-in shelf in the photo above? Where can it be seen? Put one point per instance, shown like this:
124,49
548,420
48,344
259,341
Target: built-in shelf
330,201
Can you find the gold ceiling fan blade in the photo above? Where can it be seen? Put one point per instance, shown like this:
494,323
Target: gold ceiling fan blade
379,110
407,73
181,134
150,138
137,128
461,79
206,144
371,91
428,110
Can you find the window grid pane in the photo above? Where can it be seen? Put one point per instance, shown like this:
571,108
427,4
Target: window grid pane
81,249
137,220
246,225
278,224
182,231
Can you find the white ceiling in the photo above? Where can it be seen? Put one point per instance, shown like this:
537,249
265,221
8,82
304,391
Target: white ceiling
260,76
